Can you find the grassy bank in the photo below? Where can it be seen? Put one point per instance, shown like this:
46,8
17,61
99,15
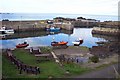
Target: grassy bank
48,68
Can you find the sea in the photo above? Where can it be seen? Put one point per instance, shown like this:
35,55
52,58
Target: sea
50,16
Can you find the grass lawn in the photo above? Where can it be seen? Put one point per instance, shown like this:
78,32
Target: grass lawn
48,68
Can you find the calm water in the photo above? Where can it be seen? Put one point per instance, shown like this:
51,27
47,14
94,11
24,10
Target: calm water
43,16
44,39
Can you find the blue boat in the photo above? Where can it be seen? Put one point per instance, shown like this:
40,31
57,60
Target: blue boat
53,29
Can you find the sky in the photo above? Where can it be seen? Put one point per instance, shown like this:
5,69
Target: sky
95,7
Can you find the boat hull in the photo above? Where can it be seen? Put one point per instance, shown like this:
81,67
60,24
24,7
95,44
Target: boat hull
58,43
11,31
77,43
56,29
22,45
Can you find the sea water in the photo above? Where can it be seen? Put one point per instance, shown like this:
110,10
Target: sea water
46,16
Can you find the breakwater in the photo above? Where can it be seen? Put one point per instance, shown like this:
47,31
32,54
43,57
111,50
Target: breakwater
85,24
106,31
35,25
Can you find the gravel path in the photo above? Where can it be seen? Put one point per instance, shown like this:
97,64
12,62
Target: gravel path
72,50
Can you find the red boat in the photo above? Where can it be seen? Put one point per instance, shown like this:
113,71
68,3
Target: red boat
58,43
22,45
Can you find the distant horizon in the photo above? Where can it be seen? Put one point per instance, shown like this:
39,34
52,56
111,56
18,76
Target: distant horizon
44,16
57,13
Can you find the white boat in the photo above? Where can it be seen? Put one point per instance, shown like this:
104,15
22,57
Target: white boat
78,42
3,30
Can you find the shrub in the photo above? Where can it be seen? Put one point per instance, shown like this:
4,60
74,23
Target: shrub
94,59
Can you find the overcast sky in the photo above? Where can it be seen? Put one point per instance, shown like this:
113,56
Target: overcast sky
97,7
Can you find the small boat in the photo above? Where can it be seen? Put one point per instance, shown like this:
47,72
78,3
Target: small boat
4,30
53,29
101,42
22,45
78,42
54,43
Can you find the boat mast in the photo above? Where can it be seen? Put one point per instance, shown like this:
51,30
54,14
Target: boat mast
20,21
53,39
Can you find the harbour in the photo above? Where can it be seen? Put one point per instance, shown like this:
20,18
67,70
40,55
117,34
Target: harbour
43,38
85,44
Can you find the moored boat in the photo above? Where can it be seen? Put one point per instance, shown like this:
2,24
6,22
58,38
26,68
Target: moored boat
22,45
78,42
54,43
53,29
4,30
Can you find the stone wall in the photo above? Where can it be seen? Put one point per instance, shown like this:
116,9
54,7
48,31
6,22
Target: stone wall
106,31
84,24
32,25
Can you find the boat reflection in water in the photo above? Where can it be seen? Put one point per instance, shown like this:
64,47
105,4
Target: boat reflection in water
4,36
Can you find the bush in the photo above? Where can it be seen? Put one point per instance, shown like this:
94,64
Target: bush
94,59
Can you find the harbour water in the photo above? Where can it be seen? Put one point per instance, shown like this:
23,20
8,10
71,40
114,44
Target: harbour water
44,38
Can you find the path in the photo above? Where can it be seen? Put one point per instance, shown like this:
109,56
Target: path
107,72
72,50
55,57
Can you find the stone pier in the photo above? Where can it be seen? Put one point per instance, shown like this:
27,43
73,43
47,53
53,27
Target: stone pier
33,25
106,31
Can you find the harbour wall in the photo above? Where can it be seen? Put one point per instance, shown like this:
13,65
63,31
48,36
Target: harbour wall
42,24
82,24
33,25
106,31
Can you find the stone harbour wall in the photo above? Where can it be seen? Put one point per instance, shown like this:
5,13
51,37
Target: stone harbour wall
106,31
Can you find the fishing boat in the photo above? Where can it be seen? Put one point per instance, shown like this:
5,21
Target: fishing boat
61,43
4,30
22,45
78,42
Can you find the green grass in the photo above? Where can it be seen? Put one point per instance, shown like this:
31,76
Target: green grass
48,68
46,49
9,70
75,69
84,48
